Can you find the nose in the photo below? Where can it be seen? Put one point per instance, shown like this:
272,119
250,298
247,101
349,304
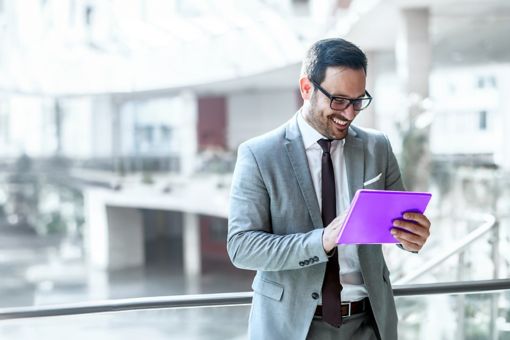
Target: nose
349,112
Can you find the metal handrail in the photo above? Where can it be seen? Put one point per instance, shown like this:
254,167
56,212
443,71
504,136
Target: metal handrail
456,287
228,299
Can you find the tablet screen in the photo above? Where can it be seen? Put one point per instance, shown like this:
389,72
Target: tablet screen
372,212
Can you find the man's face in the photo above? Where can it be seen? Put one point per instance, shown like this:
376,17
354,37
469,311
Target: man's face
339,81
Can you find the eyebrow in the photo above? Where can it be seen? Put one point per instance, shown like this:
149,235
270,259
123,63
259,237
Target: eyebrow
347,97
339,95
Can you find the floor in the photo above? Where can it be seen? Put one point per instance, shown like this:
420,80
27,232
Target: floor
48,270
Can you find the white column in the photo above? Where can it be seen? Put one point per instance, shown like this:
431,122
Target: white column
114,237
96,229
126,247
116,133
188,139
414,51
413,67
192,250
367,117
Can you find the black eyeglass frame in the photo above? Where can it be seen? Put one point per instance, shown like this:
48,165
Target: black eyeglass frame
351,101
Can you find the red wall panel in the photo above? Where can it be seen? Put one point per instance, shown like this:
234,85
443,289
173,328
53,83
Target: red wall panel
212,122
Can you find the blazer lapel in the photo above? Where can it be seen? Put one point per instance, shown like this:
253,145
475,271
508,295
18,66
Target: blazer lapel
354,162
297,156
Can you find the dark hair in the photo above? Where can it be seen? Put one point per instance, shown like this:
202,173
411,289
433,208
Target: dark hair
332,52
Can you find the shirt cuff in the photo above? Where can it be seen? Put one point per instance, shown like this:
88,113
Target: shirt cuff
332,252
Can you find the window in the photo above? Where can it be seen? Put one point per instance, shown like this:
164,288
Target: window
482,120
481,82
89,14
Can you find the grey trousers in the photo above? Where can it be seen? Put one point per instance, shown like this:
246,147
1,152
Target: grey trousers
357,327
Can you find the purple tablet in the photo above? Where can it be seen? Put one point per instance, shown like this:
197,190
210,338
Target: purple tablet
372,212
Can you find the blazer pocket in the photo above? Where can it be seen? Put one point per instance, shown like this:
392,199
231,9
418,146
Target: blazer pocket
372,180
267,288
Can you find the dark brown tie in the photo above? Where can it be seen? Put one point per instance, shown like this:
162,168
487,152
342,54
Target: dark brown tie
331,286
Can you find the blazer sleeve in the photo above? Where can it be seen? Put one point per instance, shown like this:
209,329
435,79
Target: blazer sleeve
251,243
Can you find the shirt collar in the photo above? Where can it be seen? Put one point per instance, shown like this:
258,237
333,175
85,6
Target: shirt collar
310,135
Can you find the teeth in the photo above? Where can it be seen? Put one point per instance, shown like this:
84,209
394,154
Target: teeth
338,121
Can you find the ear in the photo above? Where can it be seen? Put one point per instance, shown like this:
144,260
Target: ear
305,87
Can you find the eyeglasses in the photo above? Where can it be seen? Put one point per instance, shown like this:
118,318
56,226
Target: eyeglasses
339,103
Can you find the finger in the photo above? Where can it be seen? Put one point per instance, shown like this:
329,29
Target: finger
403,235
412,227
417,217
410,246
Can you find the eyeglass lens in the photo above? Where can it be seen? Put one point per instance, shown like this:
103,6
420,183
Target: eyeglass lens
343,103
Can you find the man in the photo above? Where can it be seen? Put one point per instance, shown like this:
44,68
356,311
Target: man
290,190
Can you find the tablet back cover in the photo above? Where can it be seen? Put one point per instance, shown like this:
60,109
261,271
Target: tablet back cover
372,213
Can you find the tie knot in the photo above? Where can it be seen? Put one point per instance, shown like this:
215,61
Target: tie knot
325,144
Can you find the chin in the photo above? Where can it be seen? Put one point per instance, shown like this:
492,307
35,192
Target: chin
339,135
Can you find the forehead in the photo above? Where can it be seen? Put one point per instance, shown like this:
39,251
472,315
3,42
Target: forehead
341,72
345,81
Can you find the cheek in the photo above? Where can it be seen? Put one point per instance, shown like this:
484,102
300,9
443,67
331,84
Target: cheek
319,108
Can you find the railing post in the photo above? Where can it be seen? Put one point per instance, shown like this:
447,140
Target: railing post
494,297
461,300
192,251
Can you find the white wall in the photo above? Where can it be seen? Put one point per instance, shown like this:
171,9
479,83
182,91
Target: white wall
28,127
76,127
457,102
176,112
101,132
254,113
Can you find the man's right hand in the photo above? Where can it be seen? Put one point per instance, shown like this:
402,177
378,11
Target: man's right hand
330,233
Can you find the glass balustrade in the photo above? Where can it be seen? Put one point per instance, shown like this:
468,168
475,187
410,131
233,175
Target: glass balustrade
472,316
455,316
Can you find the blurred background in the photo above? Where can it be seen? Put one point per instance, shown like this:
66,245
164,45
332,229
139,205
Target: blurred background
120,120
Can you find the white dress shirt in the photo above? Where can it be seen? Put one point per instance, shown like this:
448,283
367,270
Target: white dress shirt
350,275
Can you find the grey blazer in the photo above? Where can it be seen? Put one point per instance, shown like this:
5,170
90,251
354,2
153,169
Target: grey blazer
275,228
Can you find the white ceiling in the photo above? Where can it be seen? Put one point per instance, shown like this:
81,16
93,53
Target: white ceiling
461,31
243,52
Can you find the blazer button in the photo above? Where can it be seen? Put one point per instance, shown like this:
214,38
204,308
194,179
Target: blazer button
315,295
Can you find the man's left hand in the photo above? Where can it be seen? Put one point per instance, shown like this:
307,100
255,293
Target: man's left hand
412,231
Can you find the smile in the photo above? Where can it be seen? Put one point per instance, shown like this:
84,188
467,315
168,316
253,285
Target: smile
341,123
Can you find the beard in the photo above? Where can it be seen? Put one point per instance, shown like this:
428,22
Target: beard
331,124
